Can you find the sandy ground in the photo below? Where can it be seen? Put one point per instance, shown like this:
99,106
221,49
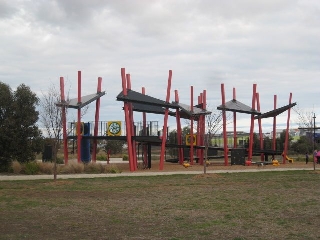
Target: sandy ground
168,167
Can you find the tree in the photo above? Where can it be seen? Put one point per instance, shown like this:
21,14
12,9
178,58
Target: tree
20,137
303,145
305,118
115,146
51,115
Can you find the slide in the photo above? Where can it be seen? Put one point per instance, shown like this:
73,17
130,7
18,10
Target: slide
289,159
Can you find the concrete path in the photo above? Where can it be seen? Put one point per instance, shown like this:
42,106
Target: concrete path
134,174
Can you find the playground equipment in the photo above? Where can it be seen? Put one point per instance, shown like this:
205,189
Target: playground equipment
78,103
290,160
238,107
140,102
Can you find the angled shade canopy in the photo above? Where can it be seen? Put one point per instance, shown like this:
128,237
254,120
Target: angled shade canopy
236,106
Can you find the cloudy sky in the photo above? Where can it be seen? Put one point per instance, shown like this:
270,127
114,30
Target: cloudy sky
273,43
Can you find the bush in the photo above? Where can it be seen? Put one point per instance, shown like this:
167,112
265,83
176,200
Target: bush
125,157
93,168
60,160
73,168
101,157
31,168
112,169
16,167
46,168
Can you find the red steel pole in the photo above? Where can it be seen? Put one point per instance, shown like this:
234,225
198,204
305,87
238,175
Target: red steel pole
274,134
287,133
96,122
179,134
224,120
252,122
64,122
166,113
260,128
191,128
134,155
127,119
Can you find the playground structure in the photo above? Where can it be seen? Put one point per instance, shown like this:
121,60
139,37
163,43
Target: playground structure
238,107
146,134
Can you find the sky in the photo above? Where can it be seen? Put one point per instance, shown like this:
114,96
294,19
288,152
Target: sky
271,43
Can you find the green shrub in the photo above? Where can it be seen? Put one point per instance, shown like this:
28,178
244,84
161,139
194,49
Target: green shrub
60,160
31,168
101,157
112,169
125,157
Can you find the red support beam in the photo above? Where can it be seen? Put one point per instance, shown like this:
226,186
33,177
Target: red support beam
260,128
287,133
96,122
64,122
79,137
179,133
134,152
198,131
274,133
252,122
224,127
191,128
166,113
127,119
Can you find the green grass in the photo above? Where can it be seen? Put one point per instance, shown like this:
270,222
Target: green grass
262,205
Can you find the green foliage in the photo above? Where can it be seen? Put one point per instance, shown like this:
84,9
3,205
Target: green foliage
304,145
172,139
31,168
113,169
20,137
115,146
125,157
101,157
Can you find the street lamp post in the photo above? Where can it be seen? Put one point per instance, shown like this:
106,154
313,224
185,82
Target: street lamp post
314,140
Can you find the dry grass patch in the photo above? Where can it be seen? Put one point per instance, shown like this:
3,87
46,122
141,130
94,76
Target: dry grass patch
94,168
46,167
72,167
16,167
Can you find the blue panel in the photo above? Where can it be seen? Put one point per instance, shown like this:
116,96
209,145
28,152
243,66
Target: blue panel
85,144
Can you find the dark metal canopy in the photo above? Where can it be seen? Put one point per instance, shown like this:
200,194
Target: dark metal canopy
147,108
275,112
144,103
236,106
85,100
133,96
185,111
